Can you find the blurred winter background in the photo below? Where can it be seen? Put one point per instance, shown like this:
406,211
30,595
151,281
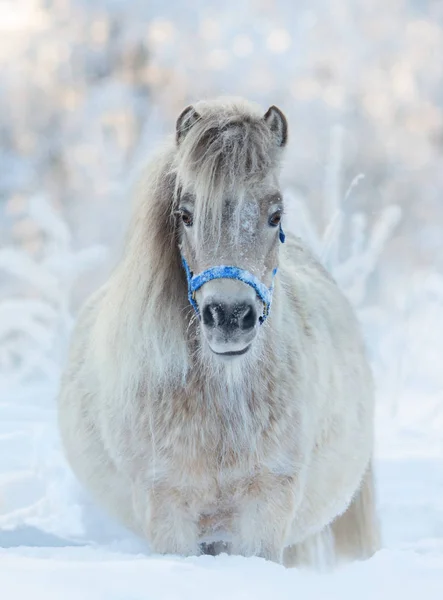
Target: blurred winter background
88,88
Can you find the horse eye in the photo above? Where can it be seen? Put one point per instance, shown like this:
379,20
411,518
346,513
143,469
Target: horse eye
274,220
186,217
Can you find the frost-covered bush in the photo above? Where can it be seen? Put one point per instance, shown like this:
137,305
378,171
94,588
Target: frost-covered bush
343,240
87,86
35,300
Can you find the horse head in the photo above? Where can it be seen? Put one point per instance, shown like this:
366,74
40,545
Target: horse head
229,209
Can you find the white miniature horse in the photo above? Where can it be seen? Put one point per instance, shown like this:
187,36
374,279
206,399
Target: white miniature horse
199,415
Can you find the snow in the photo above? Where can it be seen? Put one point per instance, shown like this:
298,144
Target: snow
73,118
101,574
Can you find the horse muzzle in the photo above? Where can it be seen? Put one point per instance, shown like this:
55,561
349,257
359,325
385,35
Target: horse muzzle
231,304
230,316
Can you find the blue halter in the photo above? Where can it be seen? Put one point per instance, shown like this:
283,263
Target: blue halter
195,282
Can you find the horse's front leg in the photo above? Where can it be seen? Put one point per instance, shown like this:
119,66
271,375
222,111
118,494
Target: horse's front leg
169,522
264,515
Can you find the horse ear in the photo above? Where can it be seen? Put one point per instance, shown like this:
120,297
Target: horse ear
277,124
185,122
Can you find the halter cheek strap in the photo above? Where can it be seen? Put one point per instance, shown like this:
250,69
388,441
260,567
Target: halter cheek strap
195,282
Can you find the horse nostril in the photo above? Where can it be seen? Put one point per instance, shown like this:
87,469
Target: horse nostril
248,317
214,315
208,316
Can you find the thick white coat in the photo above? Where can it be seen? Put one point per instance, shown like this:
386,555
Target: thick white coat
266,452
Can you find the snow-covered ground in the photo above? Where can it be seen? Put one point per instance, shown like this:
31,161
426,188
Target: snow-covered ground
101,574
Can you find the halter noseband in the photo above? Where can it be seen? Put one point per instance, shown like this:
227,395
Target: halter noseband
195,282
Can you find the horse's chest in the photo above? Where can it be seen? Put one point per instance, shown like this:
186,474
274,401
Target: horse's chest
208,447
201,446
206,442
